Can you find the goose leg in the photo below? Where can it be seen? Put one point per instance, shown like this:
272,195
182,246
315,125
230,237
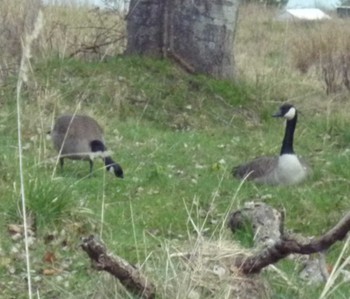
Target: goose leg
91,166
61,162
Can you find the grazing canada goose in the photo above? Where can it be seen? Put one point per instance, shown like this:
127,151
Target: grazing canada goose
80,137
285,169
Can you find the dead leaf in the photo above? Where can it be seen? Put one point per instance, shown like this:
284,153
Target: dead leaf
15,229
49,257
18,229
51,272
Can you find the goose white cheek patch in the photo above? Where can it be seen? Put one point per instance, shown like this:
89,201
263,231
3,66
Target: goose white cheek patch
290,114
111,170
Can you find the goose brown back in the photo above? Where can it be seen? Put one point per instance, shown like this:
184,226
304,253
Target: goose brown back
80,137
74,134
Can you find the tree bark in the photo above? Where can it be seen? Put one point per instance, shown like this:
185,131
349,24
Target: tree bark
279,247
129,276
203,34
144,27
199,35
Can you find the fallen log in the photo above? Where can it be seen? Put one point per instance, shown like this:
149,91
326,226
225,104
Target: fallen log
129,276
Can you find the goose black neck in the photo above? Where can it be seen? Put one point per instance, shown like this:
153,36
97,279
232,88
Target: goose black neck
287,145
108,161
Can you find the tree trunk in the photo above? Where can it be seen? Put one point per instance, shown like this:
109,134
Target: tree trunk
144,27
198,34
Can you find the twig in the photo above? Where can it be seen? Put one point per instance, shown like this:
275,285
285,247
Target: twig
95,47
129,276
181,62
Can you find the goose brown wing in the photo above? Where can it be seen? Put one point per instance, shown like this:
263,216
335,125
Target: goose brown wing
257,168
80,127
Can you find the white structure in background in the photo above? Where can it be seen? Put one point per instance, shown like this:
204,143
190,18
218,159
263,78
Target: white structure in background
308,9
320,4
119,4
308,14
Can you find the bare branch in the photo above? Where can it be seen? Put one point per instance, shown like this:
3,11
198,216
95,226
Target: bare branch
95,47
128,275
288,245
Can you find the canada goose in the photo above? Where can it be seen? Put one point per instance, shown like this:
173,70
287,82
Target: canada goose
285,169
80,137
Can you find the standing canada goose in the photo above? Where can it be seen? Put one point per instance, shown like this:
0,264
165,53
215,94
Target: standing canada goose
80,137
285,169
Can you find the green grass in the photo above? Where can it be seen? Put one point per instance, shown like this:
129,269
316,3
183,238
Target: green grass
177,137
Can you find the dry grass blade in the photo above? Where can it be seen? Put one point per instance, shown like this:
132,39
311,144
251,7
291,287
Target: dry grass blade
202,268
329,288
22,78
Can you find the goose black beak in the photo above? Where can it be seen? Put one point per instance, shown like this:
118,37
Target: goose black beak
277,114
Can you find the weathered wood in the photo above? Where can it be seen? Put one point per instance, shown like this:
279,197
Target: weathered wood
128,275
266,222
199,35
289,244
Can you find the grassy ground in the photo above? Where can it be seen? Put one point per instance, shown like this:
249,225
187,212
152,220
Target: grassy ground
177,137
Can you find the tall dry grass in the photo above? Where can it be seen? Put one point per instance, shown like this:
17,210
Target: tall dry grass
12,21
295,59
324,48
70,31
83,32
